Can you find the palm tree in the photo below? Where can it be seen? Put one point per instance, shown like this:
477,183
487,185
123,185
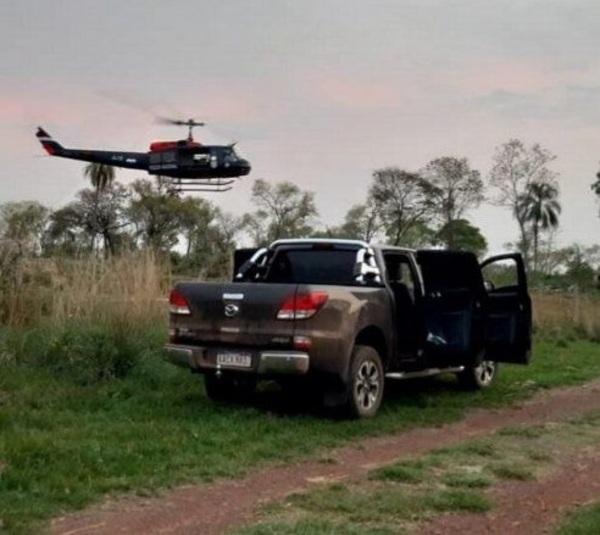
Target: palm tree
539,208
101,175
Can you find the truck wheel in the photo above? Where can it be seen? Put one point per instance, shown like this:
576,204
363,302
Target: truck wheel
478,377
228,388
365,385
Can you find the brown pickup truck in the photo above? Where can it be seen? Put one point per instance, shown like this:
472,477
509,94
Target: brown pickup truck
340,316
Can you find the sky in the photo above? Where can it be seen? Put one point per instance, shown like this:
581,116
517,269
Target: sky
317,92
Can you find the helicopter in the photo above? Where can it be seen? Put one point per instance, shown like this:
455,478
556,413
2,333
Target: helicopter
191,165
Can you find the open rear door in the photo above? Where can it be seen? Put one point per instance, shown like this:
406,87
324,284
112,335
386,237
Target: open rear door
452,307
508,314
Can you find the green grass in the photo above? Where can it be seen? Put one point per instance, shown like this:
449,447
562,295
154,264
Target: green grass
401,497
385,504
315,527
585,521
467,480
409,471
69,436
519,472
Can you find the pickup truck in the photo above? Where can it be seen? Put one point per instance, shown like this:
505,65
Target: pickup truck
339,317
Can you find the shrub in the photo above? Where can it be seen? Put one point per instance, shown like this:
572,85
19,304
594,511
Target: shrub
85,352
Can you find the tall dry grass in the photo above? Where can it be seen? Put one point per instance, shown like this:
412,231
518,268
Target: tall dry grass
129,288
132,288
574,311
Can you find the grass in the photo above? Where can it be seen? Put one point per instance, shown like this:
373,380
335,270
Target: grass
401,497
88,408
567,313
584,521
68,439
58,290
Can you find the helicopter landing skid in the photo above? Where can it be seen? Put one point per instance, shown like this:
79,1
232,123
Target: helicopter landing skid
209,185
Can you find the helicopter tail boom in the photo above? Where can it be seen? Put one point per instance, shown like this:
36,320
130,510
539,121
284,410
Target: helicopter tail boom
130,160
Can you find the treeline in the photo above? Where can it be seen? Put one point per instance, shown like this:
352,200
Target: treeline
425,208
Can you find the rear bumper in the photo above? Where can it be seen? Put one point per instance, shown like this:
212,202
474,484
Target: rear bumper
199,359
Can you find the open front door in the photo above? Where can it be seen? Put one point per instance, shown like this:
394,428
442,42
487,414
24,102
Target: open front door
508,314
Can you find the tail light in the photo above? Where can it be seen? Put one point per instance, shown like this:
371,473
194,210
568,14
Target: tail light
178,303
301,305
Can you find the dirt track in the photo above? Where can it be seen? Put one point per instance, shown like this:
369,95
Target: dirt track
524,507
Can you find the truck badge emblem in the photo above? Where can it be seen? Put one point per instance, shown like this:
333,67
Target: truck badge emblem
231,310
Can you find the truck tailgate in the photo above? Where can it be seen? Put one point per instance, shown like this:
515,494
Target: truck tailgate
236,314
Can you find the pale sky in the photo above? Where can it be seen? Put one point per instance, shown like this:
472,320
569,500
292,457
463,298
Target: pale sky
318,92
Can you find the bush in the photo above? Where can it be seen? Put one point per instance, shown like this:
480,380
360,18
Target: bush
86,353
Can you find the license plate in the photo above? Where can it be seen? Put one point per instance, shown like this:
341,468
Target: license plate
234,359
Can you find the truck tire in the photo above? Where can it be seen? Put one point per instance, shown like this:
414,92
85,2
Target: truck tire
228,388
365,383
478,377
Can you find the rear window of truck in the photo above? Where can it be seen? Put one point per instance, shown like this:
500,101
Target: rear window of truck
313,266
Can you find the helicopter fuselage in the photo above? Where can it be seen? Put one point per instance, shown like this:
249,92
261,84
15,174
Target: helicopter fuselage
191,160
183,159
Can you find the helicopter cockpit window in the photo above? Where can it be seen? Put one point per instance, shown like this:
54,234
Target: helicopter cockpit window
229,155
202,156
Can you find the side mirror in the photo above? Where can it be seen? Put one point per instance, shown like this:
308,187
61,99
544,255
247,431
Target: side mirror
488,285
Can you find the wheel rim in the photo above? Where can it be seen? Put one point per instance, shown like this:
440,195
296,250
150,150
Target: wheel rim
368,385
484,373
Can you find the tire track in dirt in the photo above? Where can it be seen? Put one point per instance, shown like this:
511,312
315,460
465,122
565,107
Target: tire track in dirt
212,508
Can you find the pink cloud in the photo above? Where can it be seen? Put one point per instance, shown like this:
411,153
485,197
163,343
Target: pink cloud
26,107
11,107
518,76
352,93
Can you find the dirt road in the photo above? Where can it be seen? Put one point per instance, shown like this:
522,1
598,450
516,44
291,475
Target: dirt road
524,507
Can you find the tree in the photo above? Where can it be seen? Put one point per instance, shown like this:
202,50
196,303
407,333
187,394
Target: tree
402,200
464,237
361,222
538,207
196,215
284,211
456,188
209,235
101,175
65,231
596,185
23,225
155,211
216,254
580,264
103,213
515,168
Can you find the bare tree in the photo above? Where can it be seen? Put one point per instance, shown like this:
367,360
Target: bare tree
361,222
515,168
284,211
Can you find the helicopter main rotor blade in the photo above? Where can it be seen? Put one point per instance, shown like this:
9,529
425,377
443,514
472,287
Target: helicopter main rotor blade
180,122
